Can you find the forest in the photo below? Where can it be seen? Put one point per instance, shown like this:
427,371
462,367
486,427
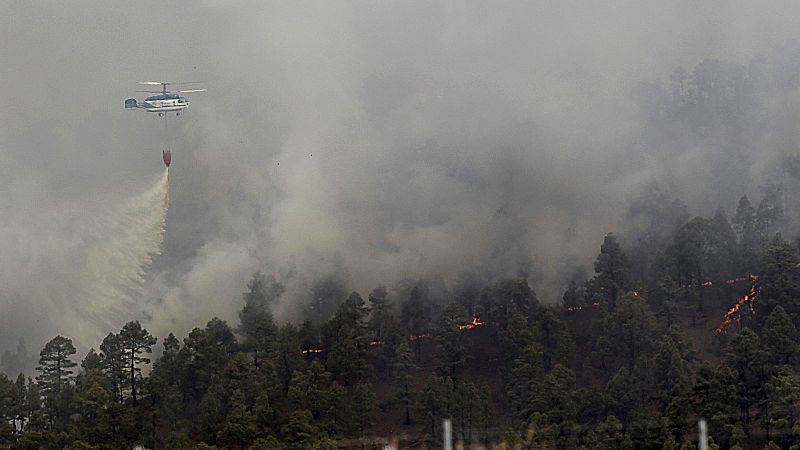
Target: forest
624,363
683,318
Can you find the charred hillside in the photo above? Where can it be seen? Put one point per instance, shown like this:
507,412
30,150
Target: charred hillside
681,317
623,363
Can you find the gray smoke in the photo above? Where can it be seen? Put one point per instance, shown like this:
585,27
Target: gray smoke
375,141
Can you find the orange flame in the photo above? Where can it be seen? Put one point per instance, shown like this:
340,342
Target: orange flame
733,314
476,322
639,293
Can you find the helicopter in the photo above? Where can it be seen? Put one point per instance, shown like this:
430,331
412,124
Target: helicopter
165,101
162,104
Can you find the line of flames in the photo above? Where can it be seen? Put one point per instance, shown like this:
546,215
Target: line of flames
733,314
638,293
476,322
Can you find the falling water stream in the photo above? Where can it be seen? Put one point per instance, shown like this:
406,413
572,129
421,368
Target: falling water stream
84,266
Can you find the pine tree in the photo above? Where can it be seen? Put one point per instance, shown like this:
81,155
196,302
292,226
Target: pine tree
624,398
513,340
556,397
608,434
92,371
746,358
301,392
168,366
347,339
723,227
257,325
770,210
134,341
699,254
337,410
363,402
6,410
612,272
111,354
648,430
222,337
239,428
288,356
783,402
393,334
204,354
322,397
525,381
18,410
415,315
745,226
326,295
434,403
451,350
714,395
213,411
55,375
508,297
216,403
553,336
671,386
779,281
662,299
404,391
744,221
96,425
299,429
626,332
33,399
780,338
264,415
468,408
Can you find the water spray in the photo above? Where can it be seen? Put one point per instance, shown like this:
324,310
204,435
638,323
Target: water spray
131,235
84,264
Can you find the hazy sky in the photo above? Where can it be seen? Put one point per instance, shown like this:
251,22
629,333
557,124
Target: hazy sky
380,140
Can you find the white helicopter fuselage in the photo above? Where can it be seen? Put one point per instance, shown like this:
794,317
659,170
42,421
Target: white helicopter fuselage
159,103
162,103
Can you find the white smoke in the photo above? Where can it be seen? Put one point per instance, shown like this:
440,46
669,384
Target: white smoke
85,280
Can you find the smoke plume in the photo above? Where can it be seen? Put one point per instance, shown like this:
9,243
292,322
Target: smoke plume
373,142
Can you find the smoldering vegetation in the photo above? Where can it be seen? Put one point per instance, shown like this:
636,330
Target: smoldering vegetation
445,145
706,137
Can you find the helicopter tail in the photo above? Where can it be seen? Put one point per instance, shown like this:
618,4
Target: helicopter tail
130,103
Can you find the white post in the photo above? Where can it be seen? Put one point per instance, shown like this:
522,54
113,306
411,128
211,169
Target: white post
447,430
702,435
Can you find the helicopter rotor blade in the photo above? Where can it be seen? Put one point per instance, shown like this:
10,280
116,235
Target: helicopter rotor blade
193,90
151,92
155,83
